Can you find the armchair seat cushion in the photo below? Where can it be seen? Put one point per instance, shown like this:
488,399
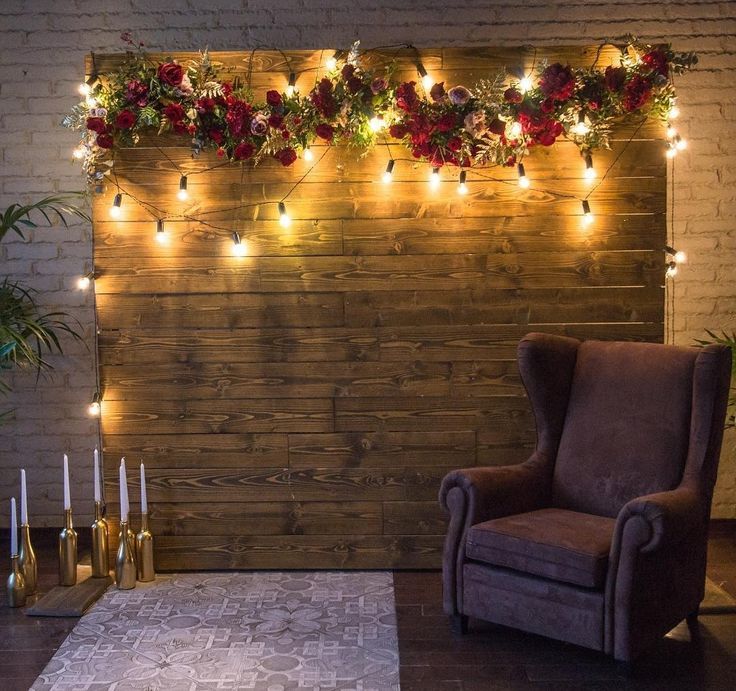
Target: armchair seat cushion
562,545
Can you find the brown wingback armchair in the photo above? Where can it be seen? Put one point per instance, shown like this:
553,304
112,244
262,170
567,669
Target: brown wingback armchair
600,538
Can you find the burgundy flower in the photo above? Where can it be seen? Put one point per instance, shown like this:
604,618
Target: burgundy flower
205,105
275,120
406,96
354,84
437,92
547,106
397,131
454,143
286,156
171,73
636,93
557,82
104,141
273,98
347,71
174,113
324,86
238,117
614,78
244,151
446,122
136,92
324,131
378,85
458,95
96,125
216,136
657,61
513,95
125,119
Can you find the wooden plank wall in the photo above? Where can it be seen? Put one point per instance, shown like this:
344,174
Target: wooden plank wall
298,407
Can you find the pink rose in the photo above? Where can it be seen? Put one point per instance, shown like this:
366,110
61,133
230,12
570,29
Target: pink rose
459,95
171,73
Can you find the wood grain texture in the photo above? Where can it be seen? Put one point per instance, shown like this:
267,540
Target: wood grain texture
299,406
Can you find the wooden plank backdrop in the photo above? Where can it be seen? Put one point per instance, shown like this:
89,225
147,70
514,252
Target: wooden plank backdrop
298,406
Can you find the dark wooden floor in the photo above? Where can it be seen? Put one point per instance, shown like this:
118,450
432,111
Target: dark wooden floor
489,657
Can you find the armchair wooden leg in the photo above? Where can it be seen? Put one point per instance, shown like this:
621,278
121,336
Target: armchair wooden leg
459,623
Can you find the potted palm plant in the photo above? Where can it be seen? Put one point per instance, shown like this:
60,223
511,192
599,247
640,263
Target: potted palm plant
27,333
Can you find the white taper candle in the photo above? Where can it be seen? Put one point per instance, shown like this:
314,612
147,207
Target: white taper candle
123,492
67,496
13,529
23,498
144,497
98,492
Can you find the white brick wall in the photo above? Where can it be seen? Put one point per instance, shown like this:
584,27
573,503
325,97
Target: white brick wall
42,49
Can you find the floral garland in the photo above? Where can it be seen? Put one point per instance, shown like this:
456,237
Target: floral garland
490,123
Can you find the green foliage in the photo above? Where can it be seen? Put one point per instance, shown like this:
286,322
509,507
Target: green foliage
729,340
20,217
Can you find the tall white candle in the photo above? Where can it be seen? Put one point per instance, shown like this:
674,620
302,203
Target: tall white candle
98,492
23,498
67,496
13,529
123,493
144,497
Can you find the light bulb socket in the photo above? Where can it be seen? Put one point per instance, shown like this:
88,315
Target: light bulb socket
588,161
520,169
292,79
670,250
160,226
390,166
118,200
282,209
463,177
421,69
96,398
183,182
236,237
581,117
586,207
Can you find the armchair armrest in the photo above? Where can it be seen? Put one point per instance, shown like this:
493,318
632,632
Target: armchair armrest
473,495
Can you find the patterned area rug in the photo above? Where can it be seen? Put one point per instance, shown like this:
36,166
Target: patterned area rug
268,631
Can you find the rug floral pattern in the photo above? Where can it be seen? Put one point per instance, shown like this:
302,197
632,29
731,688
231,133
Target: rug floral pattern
268,631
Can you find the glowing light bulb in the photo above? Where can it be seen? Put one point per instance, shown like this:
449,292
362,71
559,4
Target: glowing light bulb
680,257
239,247
671,132
91,102
389,172
525,84
161,237
427,81
680,143
331,62
515,130
85,89
523,179
588,217
115,210
377,123
434,179
674,112
589,170
284,218
94,409
580,128
83,282
671,151
671,270
182,193
79,152
291,86
308,154
462,186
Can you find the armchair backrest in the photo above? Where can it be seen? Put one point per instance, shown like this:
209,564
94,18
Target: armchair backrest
622,420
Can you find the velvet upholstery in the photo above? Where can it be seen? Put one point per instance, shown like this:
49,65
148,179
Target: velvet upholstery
628,440
563,545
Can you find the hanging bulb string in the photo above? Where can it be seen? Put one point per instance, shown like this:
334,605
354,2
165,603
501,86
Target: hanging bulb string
302,178
188,174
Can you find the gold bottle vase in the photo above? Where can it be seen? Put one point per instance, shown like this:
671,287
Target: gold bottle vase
27,560
124,561
144,552
100,545
16,584
68,551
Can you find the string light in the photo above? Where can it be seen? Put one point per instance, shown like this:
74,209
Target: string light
115,209
588,217
674,112
183,194
80,151
331,62
389,172
84,282
462,186
523,179
525,84
94,407
671,131
161,237
580,128
377,123
515,130
671,270
434,178
308,154
671,150
291,86
85,89
284,218
680,143
589,169
239,248
678,256
427,81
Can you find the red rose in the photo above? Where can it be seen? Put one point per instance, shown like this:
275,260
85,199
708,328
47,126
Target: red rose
324,86
454,143
557,82
170,73
446,122
513,95
104,140
437,92
275,120
286,156
406,96
636,93
244,150
273,98
174,113
325,132
285,133
125,120
510,161
220,152
238,117
96,125
216,136
614,78
397,131
657,61
547,106
354,84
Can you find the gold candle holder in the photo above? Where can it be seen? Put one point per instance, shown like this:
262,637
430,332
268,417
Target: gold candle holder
16,584
27,560
68,551
124,561
100,545
144,551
